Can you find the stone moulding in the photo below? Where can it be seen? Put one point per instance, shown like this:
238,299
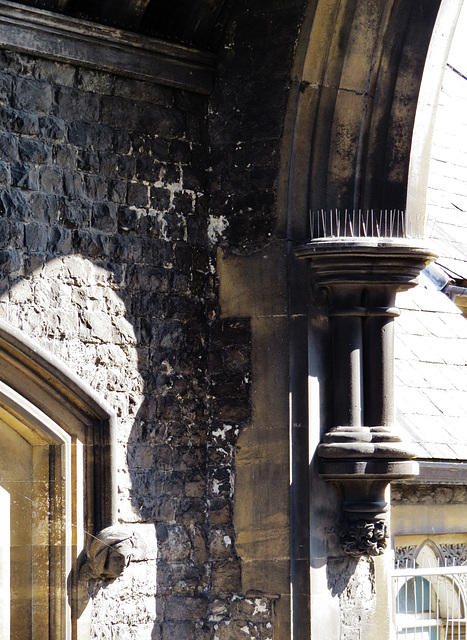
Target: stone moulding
49,406
366,260
362,450
83,43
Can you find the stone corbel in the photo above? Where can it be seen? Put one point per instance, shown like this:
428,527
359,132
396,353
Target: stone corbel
362,451
108,554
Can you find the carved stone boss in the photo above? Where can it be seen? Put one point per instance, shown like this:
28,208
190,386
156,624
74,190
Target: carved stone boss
363,451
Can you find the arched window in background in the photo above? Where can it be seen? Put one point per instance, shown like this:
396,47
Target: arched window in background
430,601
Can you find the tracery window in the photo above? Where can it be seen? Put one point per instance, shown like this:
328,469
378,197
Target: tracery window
429,587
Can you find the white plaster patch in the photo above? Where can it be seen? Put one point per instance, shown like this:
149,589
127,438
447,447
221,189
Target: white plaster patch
260,607
221,432
216,228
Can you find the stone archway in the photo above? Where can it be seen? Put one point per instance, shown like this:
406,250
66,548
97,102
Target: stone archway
57,467
357,76
357,136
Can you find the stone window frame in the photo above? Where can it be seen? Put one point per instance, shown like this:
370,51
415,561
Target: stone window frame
46,403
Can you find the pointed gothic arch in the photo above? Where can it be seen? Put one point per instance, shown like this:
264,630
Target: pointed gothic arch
359,123
57,467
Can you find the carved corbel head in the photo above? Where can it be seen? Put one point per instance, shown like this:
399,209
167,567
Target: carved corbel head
109,553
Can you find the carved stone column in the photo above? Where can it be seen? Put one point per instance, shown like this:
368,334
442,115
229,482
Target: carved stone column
363,451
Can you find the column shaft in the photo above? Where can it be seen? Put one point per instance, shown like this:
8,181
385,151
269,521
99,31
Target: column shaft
347,360
378,349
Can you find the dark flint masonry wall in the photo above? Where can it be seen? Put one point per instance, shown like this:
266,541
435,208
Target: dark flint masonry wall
110,213
246,122
104,259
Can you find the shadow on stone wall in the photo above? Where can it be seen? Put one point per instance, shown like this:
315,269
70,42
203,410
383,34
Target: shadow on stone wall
339,572
148,355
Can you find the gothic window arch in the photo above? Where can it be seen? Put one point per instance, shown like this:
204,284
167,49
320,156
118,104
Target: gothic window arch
57,490
430,598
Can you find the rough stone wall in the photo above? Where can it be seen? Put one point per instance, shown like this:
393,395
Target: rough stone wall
107,258
114,195
247,112
246,127
103,259
246,124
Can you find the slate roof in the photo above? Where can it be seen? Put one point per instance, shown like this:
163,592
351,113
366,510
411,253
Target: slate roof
446,224
431,373
431,333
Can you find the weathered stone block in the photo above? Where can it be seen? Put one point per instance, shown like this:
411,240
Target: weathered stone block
55,72
170,173
174,543
6,84
104,216
138,195
121,141
59,240
14,204
32,95
88,160
36,237
147,168
78,134
95,187
126,166
9,262
51,179
77,105
220,512
226,577
5,176
174,226
34,151
159,198
74,213
108,165
64,156
51,128
178,630
90,244
221,544
127,219
147,91
94,80
45,207
117,191
73,186
8,147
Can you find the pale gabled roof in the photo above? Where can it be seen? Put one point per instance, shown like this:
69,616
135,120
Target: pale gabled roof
431,373
431,333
